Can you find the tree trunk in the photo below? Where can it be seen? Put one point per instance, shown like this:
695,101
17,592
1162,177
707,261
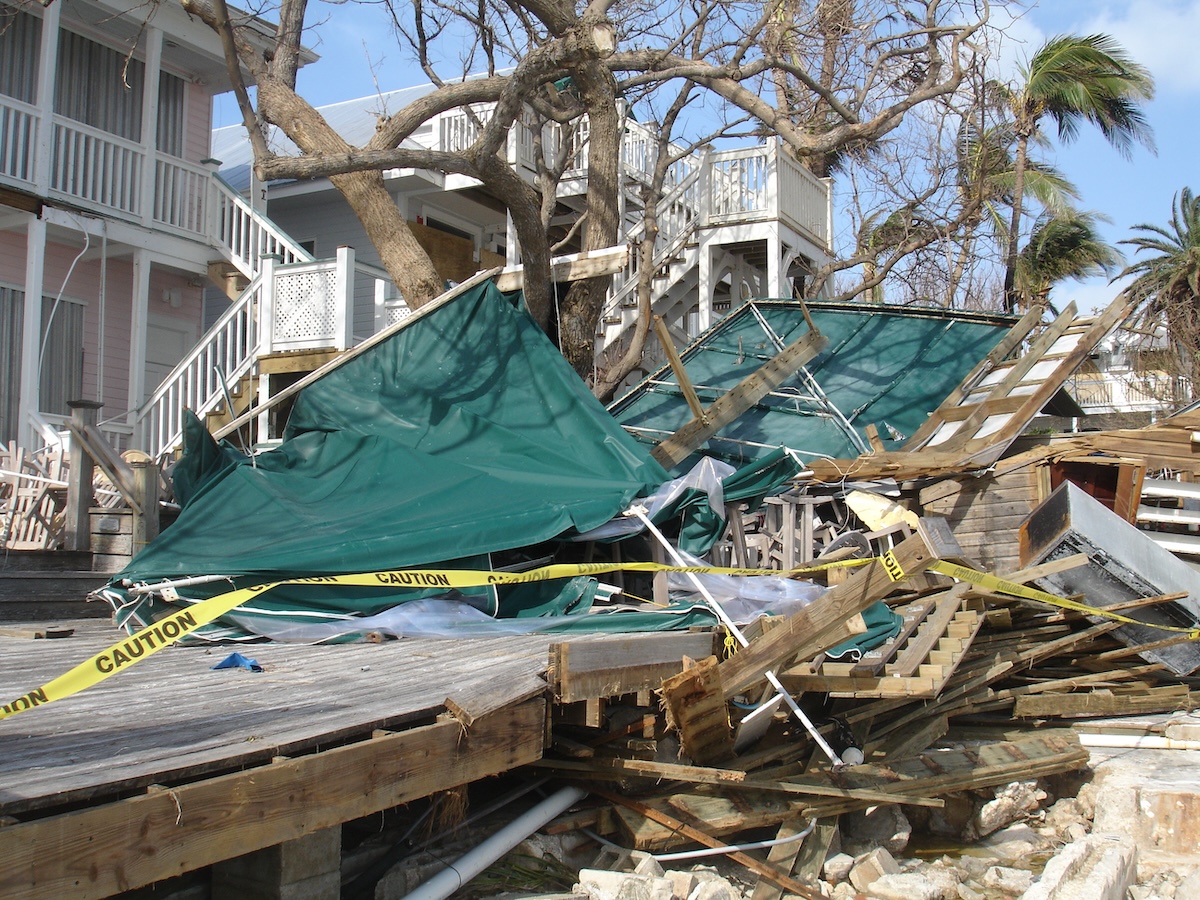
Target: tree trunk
399,253
405,260
1014,228
584,302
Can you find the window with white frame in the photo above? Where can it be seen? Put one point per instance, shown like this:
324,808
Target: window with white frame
171,93
12,303
61,375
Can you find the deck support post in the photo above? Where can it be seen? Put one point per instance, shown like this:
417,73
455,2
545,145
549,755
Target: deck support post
146,489
79,486
306,868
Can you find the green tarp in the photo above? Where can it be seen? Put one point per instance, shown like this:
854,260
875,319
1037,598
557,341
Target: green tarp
463,434
886,366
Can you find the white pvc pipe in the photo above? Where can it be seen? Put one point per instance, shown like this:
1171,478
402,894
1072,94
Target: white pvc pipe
470,864
1137,742
723,616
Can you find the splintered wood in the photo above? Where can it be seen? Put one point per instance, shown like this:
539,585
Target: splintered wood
937,632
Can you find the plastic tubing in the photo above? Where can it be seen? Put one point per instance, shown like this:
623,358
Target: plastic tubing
470,864
732,848
1137,742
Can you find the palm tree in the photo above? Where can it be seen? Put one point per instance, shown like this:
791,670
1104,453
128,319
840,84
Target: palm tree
1073,79
1168,283
1063,246
986,173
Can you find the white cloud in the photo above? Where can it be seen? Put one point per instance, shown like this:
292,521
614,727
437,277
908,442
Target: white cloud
1160,34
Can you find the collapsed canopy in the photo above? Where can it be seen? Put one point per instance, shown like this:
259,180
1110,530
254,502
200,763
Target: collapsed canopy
465,432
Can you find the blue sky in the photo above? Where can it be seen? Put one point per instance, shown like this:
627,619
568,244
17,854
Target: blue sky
360,56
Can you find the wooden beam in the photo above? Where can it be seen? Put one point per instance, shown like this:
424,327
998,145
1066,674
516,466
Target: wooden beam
681,375
621,664
572,267
119,472
728,407
801,630
765,870
104,850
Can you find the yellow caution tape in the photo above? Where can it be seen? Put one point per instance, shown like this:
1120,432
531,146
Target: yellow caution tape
124,654
1012,588
150,640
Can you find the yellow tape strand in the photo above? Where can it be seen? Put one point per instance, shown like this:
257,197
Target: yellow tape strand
150,640
1001,586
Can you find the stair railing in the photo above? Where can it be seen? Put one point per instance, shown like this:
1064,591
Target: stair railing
228,351
245,235
678,214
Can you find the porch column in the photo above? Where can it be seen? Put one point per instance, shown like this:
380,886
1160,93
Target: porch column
775,267
343,311
706,285
31,333
47,70
139,313
154,42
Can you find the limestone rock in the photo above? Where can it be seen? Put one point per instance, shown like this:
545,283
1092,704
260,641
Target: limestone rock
1011,881
1011,803
1014,843
911,886
881,826
601,884
1100,867
871,867
837,868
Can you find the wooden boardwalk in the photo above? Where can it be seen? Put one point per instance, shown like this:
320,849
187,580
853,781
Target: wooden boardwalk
171,765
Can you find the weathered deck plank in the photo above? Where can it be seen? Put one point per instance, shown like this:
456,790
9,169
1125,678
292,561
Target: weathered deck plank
171,718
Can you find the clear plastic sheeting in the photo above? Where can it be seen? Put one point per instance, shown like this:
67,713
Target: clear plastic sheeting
442,618
745,597
706,476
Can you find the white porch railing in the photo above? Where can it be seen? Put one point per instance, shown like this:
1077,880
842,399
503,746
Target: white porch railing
1129,392
95,166
246,236
288,306
764,183
307,305
18,140
90,167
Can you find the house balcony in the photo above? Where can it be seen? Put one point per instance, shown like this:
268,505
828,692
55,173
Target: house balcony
758,184
61,159
1130,392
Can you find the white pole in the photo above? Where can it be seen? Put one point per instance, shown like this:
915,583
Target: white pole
470,864
716,607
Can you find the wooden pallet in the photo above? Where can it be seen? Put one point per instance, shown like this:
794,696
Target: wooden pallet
997,400
916,663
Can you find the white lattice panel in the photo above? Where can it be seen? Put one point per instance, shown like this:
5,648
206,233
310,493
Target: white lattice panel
305,306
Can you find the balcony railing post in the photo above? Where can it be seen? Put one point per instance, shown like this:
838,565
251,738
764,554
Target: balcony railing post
343,299
266,303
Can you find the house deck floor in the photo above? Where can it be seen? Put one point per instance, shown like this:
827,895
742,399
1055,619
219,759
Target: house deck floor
171,718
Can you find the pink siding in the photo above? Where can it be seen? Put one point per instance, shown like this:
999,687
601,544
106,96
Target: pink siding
198,128
84,285
12,258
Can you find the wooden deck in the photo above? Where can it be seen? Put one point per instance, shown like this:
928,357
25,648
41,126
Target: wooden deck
172,765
